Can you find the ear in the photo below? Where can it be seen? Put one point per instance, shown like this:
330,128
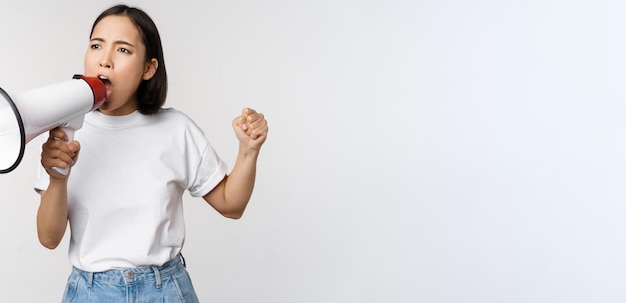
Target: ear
151,68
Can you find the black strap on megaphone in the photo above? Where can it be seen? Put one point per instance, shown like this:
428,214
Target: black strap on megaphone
22,132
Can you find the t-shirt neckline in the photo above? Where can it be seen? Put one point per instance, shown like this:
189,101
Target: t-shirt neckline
114,122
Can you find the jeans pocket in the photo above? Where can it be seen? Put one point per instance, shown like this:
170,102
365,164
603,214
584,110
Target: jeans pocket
71,286
185,290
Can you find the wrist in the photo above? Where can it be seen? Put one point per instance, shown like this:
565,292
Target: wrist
58,180
248,152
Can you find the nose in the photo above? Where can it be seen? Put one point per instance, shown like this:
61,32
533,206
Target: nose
105,60
105,64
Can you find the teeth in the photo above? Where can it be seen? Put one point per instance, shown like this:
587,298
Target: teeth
103,78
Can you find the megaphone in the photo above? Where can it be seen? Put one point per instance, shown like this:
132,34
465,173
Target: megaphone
34,112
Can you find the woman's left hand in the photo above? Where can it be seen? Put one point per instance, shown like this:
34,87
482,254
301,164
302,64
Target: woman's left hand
251,129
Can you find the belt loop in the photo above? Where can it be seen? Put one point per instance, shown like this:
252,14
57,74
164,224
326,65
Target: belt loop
89,279
157,275
183,259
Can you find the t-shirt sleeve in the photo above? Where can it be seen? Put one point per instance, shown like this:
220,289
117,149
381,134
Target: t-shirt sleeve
43,179
210,172
205,169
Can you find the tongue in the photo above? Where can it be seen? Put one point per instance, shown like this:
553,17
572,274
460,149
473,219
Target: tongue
109,90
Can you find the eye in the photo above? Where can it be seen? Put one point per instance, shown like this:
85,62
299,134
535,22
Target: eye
95,46
124,50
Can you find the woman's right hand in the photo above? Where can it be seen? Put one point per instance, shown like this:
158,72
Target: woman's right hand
57,153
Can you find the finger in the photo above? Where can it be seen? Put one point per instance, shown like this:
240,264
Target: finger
58,133
59,150
58,155
243,118
248,115
61,146
258,125
258,132
256,120
49,163
242,122
246,111
258,128
73,146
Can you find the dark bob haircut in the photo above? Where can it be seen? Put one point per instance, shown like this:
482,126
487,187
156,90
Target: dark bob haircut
151,93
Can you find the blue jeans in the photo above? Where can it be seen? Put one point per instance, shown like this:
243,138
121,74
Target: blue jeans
167,283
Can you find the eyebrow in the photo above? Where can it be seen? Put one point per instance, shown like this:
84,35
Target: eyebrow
122,42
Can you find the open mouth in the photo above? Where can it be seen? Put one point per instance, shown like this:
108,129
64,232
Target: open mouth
105,80
107,84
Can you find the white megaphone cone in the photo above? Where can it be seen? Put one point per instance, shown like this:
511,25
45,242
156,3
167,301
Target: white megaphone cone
34,112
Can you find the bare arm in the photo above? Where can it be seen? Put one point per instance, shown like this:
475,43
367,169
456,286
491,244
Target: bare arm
231,196
52,213
52,216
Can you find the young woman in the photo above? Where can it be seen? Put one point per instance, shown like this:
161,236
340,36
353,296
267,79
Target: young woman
123,195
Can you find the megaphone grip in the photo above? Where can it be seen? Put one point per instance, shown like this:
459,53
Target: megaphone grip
69,133
70,128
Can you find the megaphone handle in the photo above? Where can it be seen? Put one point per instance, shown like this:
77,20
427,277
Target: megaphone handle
69,128
69,133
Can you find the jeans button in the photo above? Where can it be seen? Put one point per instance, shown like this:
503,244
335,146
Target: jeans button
130,275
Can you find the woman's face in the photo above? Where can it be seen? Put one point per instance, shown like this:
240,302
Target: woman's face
117,53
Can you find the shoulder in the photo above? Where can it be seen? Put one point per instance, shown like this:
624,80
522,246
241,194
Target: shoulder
172,116
175,119
171,113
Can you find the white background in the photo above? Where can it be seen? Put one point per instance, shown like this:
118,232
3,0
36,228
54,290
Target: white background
419,151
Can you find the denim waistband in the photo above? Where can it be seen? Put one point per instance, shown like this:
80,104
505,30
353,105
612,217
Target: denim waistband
125,276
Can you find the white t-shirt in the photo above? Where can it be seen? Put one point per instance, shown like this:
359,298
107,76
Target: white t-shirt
125,190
